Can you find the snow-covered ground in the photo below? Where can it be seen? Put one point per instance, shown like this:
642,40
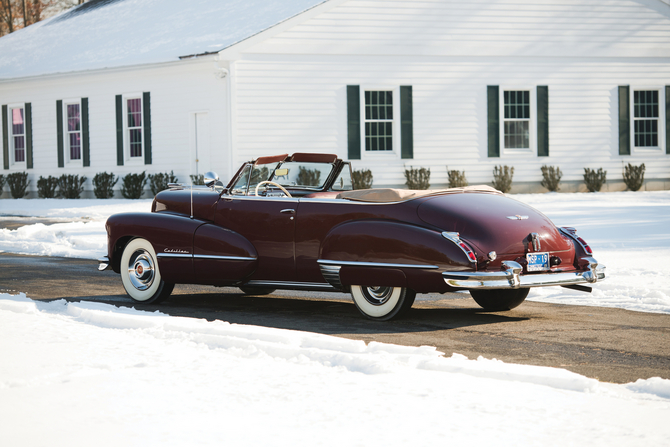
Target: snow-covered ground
629,232
81,374
93,374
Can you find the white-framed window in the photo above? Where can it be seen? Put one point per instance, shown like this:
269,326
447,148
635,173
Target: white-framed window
17,134
380,115
647,118
517,108
73,131
133,126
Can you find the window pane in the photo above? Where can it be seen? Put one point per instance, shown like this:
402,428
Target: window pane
19,149
135,142
517,104
17,121
517,135
75,146
134,112
645,103
73,117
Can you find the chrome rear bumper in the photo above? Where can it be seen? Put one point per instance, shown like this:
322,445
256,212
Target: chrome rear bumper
511,278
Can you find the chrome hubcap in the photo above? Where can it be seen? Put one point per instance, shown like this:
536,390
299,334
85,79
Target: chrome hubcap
377,295
141,271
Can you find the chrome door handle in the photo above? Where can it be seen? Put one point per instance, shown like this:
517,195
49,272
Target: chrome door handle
288,211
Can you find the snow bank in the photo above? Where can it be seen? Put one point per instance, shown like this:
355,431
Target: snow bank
88,372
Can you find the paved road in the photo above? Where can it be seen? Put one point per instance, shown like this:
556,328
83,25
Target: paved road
611,345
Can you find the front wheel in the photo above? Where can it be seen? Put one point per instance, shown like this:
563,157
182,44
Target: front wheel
499,299
382,303
140,274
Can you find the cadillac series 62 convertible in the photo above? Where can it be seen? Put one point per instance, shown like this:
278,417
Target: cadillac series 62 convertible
294,222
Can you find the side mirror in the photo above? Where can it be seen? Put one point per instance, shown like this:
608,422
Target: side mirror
211,179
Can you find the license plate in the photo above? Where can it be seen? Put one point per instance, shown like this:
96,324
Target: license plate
537,262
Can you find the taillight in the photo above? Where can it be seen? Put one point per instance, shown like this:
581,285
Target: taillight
456,239
572,234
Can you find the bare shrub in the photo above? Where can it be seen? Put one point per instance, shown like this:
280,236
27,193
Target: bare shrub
361,179
417,178
633,176
551,177
594,179
502,178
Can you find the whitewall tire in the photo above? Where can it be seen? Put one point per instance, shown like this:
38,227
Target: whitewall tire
382,303
140,274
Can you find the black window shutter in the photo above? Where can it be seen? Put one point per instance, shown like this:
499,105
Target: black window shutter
493,118
84,132
354,122
119,130
624,120
542,121
5,138
59,133
406,122
146,103
667,119
29,135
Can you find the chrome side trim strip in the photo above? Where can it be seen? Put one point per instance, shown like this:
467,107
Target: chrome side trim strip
511,277
225,258
376,264
221,258
291,285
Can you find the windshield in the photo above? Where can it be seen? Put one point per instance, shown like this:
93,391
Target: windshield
302,174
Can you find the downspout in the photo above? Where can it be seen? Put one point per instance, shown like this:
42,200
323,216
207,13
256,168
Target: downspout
224,73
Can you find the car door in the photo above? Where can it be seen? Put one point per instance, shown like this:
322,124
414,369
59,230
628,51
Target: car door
269,224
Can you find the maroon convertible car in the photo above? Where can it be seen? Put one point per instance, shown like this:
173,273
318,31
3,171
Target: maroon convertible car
294,222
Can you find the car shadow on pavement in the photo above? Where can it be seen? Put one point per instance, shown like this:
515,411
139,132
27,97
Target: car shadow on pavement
333,317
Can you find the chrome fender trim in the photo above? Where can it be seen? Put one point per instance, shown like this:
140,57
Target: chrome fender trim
511,277
330,270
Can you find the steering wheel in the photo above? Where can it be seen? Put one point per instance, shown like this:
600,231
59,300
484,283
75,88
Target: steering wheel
273,184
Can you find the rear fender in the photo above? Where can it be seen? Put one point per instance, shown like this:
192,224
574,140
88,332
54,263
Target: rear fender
389,253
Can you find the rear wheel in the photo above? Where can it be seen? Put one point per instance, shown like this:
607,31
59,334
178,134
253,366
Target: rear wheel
140,274
499,299
382,303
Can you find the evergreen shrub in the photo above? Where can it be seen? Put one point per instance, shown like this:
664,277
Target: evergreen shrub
46,187
133,185
159,182
18,182
199,179
551,177
103,185
502,178
70,186
594,179
361,179
417,178
633,176
2,183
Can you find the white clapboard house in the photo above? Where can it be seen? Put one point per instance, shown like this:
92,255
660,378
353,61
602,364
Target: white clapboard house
127,86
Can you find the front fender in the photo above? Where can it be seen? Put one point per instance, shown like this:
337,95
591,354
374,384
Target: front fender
188,250
168,233
389,253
